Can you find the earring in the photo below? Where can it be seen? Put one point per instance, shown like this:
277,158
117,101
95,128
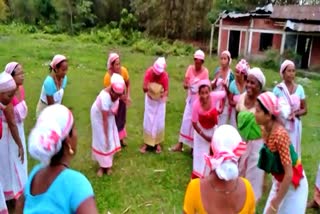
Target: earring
71,152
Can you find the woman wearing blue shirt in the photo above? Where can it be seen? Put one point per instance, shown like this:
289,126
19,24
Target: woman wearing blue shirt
53,187
53,86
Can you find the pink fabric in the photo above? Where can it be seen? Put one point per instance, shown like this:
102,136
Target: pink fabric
199,54
111,59
226,52
15,101
159,65
284,65
204,82
10,67
162,79
56,60
7,82
243,66
117,83
192,78
197,110
270,102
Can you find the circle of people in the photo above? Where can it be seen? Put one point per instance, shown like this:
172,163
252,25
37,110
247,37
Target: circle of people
237,132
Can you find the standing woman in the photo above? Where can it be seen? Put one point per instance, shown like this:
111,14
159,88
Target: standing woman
289,191
114,66
7,90
194,74
13,158
105,138
53,86
155,87
237,87
204,121
294,95
250,130
223,76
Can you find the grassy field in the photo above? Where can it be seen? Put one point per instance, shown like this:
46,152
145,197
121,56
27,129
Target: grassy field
147,183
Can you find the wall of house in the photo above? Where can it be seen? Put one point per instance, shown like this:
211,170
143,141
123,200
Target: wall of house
224,40
243,43
266,24
315,53
244,22
276,41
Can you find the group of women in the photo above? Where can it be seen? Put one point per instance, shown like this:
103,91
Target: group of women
237,133
254,133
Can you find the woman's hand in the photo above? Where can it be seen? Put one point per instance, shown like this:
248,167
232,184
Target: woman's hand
292,116
21,154
271,210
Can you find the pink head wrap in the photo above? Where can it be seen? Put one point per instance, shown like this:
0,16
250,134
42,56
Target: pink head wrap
226,52
270,102
284,65
56,60
227,147
111,59
258,74
10,67
243,66
159,65
204,82
117,83
7,82
199,54
52,127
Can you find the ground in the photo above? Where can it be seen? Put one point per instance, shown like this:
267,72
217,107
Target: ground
148,183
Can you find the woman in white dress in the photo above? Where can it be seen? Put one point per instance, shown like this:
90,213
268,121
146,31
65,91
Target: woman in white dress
7,91
105,138
13,160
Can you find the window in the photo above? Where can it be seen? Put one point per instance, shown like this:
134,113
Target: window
265,41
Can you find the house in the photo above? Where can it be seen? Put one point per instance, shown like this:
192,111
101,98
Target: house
283,28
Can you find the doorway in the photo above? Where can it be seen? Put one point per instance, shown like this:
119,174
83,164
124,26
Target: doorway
303,49
234,43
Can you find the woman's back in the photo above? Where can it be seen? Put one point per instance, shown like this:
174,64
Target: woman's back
201,198
64,195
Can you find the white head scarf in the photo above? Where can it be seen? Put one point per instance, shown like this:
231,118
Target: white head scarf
284,66
7,82
258,74
52,127
227,147
117,83
159,65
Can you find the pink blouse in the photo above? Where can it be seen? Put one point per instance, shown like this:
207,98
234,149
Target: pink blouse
207,118
192,77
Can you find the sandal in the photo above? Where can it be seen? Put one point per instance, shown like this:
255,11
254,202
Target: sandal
123,143
158,149
143,149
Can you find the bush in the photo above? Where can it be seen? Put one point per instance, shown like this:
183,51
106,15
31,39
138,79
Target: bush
272,59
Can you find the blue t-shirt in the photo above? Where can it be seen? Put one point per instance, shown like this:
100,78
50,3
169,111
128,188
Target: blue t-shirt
65,194
299,92
231,77
50,87
233,88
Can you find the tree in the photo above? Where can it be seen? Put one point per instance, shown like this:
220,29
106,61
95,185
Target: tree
74,14
3,10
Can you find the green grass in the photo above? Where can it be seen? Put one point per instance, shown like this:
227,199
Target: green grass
135,185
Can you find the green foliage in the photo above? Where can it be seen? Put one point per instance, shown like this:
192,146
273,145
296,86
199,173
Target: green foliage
272,59
128,22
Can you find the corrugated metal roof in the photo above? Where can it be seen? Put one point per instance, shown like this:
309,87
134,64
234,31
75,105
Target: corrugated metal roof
297,12
301,27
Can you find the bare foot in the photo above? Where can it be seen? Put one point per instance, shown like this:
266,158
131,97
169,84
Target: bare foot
100,172
109,171
143,149
312,204
177,148
158,149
